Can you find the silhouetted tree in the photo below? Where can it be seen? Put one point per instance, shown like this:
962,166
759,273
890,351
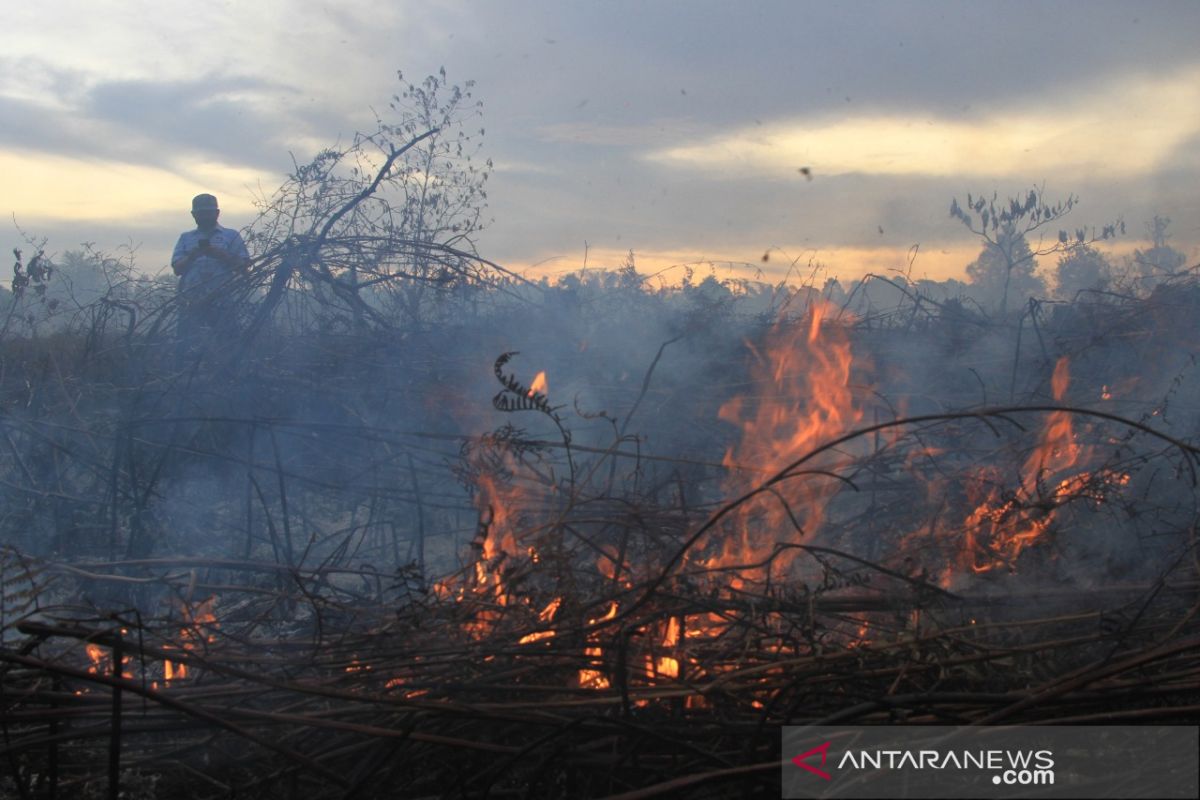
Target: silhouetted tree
388,220
1082,268
1008,264
1160,260
833,291
1006,268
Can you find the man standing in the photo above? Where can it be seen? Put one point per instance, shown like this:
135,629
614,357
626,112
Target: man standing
205,260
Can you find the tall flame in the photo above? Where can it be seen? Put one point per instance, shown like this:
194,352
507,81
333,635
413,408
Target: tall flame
1000,528
801,399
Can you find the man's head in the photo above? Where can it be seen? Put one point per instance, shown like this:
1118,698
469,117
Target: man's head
205,211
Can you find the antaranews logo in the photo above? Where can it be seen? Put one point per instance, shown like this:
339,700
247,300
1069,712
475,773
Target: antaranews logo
1006,767
990,762
823,749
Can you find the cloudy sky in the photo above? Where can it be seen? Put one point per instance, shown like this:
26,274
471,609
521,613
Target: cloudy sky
675,129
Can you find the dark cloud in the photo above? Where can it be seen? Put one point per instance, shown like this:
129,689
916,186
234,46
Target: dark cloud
739,62
609,91
32,126
154,122
216,117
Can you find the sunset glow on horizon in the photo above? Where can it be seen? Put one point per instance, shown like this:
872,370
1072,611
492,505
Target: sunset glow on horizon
1067,140
844,152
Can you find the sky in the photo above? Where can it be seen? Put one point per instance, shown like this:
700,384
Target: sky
677,130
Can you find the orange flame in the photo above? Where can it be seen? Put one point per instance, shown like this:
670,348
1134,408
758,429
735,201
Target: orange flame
495,499
539,385
669,665
102,662
98,657
196,619
801,399
547,613
1000,528
590,678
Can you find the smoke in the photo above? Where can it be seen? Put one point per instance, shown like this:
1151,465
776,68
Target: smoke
329,441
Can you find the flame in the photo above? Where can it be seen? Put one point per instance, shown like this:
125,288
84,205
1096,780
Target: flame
801,399
196,619
861,636
999,528
97,656
1003,520
539,385
497,542
510,494
494,499
590,678
101,662
547,613
668,665
1058,450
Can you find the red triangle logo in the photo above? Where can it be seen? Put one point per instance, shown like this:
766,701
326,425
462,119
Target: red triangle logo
824,751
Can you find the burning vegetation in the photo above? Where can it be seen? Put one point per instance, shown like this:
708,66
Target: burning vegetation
442,531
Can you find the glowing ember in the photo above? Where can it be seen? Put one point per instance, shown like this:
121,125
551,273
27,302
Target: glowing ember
97,655
199,620
861,637
668,665
547,613
101,662
590,678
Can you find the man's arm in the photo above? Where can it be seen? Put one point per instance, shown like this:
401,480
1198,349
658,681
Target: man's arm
236,256
182,258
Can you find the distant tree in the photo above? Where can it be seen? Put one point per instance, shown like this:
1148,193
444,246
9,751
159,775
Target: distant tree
1081,268
83,278
626,278
27,301
710,291
833,291
941,290
1160,260
388,220
1007,266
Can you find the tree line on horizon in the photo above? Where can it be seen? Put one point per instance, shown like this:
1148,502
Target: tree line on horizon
383,228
